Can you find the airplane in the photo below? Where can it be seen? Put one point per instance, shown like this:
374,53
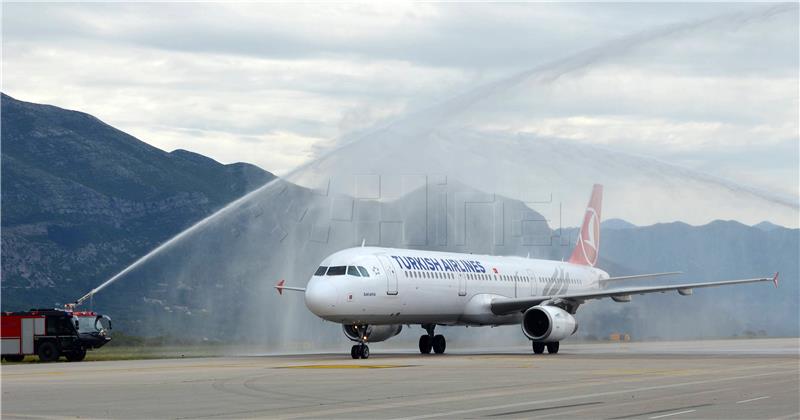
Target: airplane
374,291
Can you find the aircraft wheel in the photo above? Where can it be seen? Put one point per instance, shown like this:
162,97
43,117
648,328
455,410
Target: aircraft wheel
425,344
48,352
439,344
538,348
354,352
552,348
77,355
364,351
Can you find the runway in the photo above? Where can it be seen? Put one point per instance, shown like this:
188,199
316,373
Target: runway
743,379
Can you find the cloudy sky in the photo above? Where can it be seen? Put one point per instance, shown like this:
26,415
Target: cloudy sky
274,84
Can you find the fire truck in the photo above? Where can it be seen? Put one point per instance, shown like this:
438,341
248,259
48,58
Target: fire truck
52,333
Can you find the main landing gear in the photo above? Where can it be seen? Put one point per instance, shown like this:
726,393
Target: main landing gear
538,348
360,351
429,341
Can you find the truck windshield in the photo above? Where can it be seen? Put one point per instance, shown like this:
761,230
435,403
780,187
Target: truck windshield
92,324
103,323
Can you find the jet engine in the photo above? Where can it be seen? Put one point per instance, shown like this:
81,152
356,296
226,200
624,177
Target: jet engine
548,324
371,333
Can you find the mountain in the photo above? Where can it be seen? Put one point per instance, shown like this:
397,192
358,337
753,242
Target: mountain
766,226
81,200
719,250
616,224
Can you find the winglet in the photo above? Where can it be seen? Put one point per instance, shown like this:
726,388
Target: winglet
775,279
279,287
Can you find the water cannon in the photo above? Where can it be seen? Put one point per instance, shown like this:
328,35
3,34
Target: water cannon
82,299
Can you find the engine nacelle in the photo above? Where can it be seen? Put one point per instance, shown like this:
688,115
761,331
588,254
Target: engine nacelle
371,333
548,324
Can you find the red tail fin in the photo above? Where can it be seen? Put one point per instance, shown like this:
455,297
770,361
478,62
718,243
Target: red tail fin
587,249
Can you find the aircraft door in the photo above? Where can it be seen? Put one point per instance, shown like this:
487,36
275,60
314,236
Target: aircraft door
391,275
532,278
517,285
462,284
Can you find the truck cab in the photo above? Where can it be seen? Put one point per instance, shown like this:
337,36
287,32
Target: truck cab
93,329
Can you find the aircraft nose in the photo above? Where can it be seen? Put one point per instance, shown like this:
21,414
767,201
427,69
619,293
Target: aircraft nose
320,296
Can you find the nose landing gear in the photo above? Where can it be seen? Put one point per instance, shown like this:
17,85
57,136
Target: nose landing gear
360,351
429,342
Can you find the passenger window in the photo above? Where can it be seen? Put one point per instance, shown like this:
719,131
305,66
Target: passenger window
363,271
320,271
353,271
339,270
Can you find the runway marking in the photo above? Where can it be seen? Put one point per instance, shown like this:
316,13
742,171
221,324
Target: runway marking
618,406
343,366
646,413
457,413
788,416
663,372
673,414
752,399
510,413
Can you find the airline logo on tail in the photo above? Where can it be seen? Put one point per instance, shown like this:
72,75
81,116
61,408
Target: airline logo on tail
587,249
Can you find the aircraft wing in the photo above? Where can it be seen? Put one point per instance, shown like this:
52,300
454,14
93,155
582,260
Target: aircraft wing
640,276
501,306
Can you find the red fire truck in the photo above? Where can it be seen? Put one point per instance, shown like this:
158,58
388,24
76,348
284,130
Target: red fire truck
51,333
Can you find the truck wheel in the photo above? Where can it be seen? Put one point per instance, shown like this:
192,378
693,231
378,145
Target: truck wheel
14,357
77,355
48,352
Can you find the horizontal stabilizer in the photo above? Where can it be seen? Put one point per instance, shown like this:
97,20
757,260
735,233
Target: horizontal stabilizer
280,287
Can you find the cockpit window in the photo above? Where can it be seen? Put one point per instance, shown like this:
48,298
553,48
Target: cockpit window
338,270
353,271
321,271
364,272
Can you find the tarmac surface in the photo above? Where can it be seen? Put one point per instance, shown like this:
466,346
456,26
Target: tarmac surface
732,379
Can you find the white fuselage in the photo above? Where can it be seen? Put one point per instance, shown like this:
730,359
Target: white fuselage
421,287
